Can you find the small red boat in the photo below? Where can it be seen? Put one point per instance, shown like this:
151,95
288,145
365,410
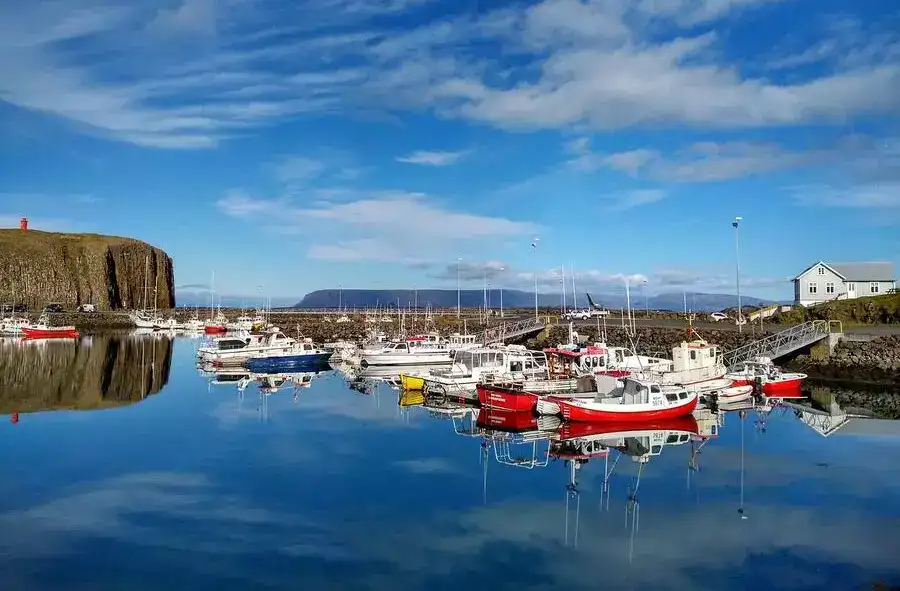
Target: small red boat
42,330
506,399
774,382
640,401
214,329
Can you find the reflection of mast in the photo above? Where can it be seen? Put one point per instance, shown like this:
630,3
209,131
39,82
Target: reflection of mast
743,415
633,506
572,493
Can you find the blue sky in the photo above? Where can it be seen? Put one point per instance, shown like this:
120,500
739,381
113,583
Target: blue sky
372,143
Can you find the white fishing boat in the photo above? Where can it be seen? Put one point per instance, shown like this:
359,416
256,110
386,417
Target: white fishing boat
12,326
496,363
193,325
239,348
424,349
697,365
240,324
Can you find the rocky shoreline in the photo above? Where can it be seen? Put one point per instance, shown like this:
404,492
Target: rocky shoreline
875,362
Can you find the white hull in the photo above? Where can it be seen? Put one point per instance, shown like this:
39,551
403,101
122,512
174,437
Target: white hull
436,358
241,355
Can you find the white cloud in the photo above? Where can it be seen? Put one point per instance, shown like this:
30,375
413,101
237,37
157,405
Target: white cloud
559,64
702,161
877,196
433,158
191,16
297,169
636,198
373,217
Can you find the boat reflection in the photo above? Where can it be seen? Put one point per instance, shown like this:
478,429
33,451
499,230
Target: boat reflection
102,371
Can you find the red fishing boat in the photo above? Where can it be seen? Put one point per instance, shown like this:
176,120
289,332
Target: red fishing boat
639,401
774,382
42,330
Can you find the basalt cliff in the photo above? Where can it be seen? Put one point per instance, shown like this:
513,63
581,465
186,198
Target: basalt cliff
71,269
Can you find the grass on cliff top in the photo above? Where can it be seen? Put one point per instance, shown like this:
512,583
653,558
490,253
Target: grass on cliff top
883,309
14,239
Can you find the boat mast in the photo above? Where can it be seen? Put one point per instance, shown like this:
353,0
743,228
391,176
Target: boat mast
574,297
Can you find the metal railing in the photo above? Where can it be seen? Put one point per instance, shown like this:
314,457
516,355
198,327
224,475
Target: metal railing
780,343
511,330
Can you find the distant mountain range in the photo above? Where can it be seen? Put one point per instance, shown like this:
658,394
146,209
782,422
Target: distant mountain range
471,298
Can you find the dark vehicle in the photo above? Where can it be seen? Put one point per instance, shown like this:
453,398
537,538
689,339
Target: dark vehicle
53,308
7,308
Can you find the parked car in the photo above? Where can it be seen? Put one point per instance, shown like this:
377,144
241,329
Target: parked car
9,308
53,308
89,308
718,316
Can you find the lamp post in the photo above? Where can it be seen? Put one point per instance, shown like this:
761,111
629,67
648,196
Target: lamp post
737,268
646,299
501,295
533,249
458,260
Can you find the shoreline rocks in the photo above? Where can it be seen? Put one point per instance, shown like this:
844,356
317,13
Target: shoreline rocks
874,362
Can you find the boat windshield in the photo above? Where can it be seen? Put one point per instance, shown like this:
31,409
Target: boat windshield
231,344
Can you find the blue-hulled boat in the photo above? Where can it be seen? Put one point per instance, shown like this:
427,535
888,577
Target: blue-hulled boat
306,354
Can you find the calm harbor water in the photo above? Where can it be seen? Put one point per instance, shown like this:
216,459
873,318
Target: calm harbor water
126,468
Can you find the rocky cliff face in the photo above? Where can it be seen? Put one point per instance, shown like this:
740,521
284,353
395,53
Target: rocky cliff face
102,372
71,269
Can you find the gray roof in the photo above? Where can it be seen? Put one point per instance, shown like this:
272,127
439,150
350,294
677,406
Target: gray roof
864,271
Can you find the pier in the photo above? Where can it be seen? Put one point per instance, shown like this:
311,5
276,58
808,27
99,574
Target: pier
786,342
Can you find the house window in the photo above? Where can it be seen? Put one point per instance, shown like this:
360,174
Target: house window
821,270
813,288
851,287
873,287
829,287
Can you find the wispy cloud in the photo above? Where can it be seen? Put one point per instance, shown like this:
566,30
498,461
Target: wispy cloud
701,162
882,196
433,158
636,198
225,68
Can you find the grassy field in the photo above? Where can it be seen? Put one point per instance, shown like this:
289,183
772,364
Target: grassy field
884,309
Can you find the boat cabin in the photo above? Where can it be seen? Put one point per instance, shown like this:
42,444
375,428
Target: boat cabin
512,360
461,340
695,355
641,392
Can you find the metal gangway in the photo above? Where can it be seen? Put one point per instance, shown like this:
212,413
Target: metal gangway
781,343
512,330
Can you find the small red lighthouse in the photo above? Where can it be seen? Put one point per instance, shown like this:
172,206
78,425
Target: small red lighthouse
23,224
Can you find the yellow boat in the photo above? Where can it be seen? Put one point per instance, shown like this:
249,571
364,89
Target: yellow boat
412,382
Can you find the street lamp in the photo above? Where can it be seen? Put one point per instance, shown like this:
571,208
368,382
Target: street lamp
737,258
458,259
646,299
501,295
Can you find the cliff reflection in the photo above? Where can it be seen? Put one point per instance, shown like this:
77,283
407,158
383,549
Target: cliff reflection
94,373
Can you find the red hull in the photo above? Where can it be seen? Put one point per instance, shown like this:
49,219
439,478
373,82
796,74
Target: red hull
615,373
572,412
506,400
783,388
40,333
574,430
741,382
499,420
214,329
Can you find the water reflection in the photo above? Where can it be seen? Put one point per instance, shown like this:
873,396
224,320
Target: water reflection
404,491
91,373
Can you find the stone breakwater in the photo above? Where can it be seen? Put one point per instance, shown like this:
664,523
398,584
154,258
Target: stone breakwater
873,362
656,342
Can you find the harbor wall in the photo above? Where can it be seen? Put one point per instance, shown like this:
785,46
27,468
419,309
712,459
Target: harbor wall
869,362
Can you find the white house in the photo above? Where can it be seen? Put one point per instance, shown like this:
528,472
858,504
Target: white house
824,282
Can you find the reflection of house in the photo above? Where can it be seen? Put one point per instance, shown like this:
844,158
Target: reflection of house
823,281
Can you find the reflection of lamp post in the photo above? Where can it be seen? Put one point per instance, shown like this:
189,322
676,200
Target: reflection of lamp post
737,259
